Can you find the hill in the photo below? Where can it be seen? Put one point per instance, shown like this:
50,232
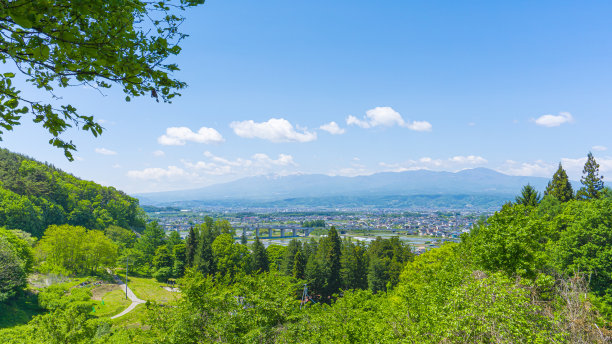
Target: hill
479,188
35,195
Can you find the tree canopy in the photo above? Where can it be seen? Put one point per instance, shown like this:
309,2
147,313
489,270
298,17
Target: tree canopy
560,186
592,182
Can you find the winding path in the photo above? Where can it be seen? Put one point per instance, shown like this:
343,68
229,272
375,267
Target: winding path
135,300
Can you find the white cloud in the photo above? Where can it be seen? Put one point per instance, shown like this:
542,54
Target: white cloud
178,136
275,130
470,159
105,151
156,173
554,121
419,126
540,168
159,153
386,116
332,128
599,148
78,158
258,164
455,163
116,166
537,168
282,160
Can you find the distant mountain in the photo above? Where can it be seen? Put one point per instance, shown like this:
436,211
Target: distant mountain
474,186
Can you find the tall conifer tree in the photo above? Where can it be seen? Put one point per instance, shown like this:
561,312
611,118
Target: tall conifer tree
334,282
259,257
529,196
299,265
191,247
592,182
204,259
560,186
243,237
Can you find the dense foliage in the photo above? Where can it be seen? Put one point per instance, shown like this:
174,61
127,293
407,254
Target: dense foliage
34,196
16,259
534,272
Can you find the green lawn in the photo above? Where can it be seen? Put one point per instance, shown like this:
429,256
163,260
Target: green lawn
114,303
20,310
151,290
133,319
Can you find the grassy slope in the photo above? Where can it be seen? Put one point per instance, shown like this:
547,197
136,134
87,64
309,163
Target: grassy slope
114,303
149,289
134,319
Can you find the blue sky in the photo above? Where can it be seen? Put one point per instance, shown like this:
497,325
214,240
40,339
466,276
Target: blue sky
516,86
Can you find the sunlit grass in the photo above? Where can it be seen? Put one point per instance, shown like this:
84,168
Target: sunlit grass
111,303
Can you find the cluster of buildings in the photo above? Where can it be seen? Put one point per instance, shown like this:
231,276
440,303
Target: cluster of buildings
433,224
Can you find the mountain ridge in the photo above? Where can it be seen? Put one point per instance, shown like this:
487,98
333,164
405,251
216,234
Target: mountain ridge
267,189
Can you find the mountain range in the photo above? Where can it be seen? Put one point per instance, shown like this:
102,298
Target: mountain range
476,188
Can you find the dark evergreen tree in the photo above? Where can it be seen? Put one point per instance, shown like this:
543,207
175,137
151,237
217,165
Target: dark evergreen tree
332,262
191,247
204,259
243,237
259,257
377,275
315,275
592,182
162,258
178,252
354,270
292,249
560,186
299,265
173,238
528,197
152,238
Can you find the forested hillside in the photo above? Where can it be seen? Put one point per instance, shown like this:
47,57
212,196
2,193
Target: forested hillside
34,195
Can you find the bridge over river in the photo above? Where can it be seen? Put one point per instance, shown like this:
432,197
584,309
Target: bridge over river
274,232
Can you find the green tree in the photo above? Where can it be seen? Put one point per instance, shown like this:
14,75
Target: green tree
204,259
94,44
124,238
332,262
70,249
152,238
292,249
173,238
21,244
178,253
191,247
315,275
585,243
592,182
354,261
230,258
276,256
259,257
12,271
243,237
299,266
512,242
560,186
528,197
162,258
